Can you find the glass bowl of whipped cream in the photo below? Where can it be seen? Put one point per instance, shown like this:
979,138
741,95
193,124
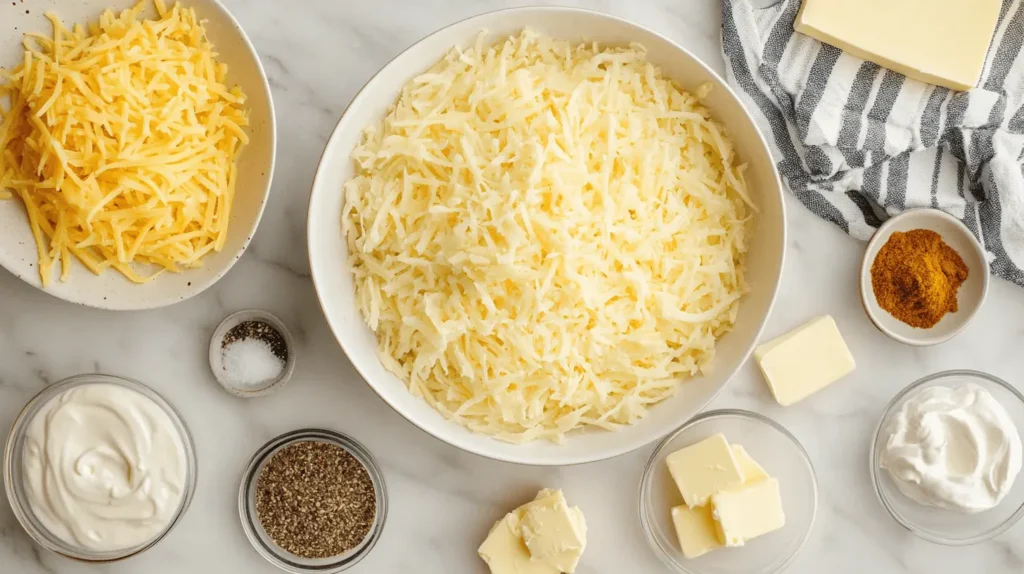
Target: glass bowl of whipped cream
946,458
99,468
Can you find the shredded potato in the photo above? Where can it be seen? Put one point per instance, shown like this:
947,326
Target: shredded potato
546,236
120,140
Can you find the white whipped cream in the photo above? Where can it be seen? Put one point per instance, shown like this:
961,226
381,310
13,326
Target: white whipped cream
953,448
104,467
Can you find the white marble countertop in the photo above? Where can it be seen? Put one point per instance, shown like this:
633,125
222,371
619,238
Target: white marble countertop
318,53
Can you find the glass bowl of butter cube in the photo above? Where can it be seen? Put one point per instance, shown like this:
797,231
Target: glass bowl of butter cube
730,492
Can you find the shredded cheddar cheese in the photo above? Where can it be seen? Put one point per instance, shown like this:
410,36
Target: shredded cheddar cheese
546,236
120,139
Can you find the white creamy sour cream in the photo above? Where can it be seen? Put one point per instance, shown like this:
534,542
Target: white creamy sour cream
104,467
953,448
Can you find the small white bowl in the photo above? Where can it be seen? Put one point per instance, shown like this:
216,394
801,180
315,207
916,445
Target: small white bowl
782,457
111,290
217,353
934,524
970,296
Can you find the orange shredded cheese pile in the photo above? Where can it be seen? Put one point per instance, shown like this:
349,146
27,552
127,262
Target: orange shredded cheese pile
120,139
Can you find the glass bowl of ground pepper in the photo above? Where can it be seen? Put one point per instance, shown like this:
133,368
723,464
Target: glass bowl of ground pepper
924,277
313,500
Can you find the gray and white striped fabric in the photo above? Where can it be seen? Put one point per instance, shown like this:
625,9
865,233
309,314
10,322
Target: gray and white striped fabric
857,143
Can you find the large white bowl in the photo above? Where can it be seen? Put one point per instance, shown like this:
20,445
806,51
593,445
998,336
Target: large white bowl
333,278
255,164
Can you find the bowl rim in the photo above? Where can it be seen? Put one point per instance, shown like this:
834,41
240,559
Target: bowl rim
525,459
867,295
652,463
109,304
250,521
24,514
877,470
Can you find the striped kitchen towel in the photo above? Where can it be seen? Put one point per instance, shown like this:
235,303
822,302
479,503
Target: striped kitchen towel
857,143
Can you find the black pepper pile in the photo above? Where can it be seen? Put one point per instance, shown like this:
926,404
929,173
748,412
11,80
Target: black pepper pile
259,331
315,500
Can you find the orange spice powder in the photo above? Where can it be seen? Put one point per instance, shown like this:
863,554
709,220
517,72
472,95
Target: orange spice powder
915,277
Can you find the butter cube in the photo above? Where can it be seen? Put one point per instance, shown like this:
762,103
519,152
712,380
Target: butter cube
505,552
752,472
940,42
804,361
696,530
554,533
702,469
746,513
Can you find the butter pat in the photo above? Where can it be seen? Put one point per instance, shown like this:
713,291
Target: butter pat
941,42
803,362
544,536
746,513
736,511
702,469
752,472
505,553
696,530
555,534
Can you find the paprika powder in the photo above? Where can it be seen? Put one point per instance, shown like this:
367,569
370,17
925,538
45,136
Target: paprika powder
915,277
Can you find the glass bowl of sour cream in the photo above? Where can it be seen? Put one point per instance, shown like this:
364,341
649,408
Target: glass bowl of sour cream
947,456
99,468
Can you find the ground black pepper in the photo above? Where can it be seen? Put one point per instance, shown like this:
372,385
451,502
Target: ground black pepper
315,500
261,332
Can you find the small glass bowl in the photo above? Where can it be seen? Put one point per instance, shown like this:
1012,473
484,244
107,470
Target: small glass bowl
782,457
14,477
935,524
262,542
217,353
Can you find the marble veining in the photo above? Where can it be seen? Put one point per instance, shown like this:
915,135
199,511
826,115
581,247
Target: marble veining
318,53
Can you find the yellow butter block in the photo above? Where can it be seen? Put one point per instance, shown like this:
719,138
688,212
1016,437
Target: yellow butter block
941,42
696,530
702,469
745,513
505,552
804,361
554,533
752,472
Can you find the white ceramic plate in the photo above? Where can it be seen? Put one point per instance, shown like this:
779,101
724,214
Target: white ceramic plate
333,279
255,165
969,298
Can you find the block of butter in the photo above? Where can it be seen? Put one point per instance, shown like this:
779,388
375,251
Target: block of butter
505,553
544,536
804,361
752,472
554,533
745,513
703,469
696,529
941,42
